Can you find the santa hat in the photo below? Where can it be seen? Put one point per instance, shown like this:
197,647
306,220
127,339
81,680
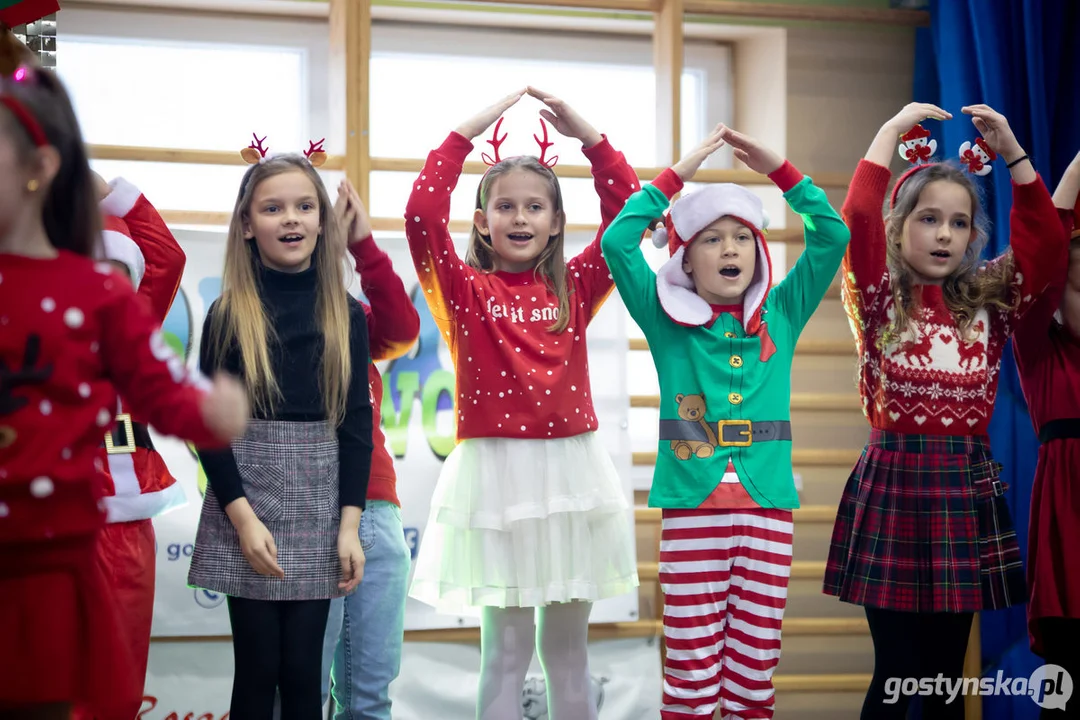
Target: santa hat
916,133
119,246
690,215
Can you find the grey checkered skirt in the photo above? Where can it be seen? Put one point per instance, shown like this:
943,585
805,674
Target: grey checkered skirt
290,476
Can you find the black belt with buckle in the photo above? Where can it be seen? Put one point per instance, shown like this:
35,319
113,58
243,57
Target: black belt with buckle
729,433
1061,429
126,435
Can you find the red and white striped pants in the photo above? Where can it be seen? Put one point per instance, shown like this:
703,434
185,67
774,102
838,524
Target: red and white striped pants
724,574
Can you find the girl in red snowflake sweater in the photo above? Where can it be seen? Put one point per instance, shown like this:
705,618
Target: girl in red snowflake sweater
528,511
74,333
923,537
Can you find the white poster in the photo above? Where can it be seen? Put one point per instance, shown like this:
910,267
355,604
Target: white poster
418,420
193,681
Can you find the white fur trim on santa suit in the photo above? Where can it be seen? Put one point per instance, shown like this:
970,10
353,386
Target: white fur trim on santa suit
121,248
689,216
121,200
126,508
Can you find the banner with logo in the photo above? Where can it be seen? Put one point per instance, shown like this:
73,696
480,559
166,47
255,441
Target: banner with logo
193,681
418,419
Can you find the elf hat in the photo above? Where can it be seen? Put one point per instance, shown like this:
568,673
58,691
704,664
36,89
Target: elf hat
694,212
120,247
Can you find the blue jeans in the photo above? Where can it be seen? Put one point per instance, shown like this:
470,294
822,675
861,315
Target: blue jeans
365,630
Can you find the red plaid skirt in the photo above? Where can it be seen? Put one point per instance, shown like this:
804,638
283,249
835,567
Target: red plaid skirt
923,527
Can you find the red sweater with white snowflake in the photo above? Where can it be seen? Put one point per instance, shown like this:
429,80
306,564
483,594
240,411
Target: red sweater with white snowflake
933,381
515,378
74,333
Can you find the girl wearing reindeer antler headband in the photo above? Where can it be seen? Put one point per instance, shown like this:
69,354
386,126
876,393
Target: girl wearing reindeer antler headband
923,537
528,511
279,527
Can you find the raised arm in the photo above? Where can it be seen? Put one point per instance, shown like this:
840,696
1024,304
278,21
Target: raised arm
865,276
427,215
614,181
393,324
1031,335
1039,243
165,260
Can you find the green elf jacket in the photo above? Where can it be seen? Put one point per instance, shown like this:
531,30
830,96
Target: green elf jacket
725,386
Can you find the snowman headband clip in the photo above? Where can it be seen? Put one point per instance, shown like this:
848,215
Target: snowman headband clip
917,147
256,152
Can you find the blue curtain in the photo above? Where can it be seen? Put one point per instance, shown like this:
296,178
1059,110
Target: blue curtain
1013,56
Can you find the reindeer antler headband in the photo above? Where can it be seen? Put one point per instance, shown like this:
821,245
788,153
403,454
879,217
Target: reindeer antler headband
256,152
495,142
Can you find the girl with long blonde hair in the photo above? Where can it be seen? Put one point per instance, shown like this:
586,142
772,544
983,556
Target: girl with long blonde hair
278,533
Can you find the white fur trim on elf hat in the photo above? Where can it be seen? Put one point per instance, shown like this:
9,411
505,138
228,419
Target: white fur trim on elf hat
689,216
120,247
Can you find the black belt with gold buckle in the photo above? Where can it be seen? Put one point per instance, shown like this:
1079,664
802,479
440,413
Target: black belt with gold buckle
729,433
127,435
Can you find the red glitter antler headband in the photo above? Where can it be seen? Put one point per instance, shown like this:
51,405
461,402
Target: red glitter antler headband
21,113
495,142
256,152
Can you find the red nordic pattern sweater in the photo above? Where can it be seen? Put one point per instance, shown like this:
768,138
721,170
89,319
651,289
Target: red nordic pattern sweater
933,382
515,378
393,326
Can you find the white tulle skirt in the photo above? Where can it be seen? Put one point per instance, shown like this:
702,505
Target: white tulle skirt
524,523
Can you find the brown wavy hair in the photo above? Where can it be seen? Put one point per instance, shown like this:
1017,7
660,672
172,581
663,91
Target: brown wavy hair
550,263
242,317
972,286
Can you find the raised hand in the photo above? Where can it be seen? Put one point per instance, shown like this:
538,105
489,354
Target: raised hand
565,119
351,214
914,113
688,166
751,153
477,124
995,130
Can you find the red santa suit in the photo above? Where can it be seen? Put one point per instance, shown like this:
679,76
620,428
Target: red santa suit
138,484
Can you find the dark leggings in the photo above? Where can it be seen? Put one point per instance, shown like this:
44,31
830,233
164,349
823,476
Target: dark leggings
277,646
915,645
1061,646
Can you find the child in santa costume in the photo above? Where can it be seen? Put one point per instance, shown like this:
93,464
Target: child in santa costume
923,538
74,334
138,485
1047,351
723,340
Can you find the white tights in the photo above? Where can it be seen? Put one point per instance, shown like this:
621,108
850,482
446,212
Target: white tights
508,637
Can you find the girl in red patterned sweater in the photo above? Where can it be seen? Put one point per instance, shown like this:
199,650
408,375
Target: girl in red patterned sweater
923,537
528,511
74,334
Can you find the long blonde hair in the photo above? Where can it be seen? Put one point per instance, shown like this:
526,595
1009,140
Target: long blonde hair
550,263
242,318
972,286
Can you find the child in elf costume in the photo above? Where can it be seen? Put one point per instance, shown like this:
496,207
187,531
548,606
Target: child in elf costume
723,339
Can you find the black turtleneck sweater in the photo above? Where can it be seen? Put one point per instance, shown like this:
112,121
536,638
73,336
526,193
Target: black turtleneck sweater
296,357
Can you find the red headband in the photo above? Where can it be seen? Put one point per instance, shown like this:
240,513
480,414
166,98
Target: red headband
903,178
26,120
